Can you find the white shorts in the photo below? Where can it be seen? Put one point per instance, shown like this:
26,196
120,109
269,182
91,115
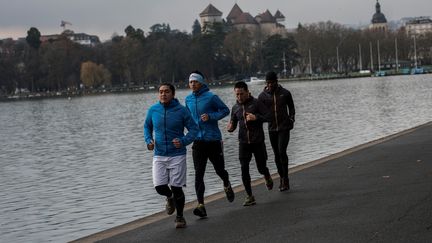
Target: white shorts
169,170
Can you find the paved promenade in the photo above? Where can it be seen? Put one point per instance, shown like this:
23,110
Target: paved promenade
377,192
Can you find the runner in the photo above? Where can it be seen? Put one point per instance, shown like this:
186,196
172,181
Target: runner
250,114
207,109
283,116
167,120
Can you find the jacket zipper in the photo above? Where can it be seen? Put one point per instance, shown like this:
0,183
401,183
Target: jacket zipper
199,118
166,137
245,122
275,111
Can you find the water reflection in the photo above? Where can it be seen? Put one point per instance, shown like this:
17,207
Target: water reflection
72,168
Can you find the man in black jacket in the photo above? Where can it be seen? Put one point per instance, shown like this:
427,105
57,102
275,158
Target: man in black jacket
250,114
283,116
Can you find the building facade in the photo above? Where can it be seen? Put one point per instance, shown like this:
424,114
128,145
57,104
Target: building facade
379,21
209,16
264,24
418,26
80,38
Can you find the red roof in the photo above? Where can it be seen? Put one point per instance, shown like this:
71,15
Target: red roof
210,10
267,17
234,13
245,18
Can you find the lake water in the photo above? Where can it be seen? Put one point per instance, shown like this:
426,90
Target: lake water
70,168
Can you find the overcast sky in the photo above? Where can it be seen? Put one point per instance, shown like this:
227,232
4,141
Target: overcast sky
105,17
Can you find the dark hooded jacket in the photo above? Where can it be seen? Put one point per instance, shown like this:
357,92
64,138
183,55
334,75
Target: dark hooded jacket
282,108
250,131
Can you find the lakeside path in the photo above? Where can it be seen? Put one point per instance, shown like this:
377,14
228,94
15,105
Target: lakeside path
377,192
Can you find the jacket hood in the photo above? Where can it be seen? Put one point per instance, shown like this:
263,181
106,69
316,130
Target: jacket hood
267,90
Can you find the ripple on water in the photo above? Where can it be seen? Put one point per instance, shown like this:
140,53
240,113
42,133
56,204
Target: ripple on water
72,168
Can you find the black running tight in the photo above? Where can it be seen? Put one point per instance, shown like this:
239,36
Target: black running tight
179,196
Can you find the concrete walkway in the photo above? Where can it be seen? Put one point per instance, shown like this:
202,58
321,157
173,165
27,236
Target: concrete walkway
377,192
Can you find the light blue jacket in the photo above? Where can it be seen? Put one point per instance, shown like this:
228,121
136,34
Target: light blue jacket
168,122
204,101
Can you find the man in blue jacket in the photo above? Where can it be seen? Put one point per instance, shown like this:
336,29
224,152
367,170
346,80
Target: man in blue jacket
206,109
163,133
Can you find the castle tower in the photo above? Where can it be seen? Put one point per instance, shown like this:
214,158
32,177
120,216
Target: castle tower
234,14
209,16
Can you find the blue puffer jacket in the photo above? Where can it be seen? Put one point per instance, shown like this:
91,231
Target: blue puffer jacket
204,101
168,122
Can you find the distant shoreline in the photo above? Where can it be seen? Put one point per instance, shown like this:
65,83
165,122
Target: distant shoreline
25,96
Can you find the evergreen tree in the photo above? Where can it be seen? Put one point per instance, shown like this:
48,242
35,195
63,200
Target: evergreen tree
33,38
196,28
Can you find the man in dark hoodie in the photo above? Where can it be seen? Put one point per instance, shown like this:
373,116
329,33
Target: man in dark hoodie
283,116
250,114
207,109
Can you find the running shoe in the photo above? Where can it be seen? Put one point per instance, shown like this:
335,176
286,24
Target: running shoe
180,222
229,193
268,182
200,211
170,205
249,201
285,185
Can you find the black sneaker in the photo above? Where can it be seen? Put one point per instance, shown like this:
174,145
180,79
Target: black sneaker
229,193
200,211
268,182
286,184
170,206
280,184
180,222
249,201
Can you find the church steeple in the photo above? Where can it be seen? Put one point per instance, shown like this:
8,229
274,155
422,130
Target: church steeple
379,21
378,17
377,7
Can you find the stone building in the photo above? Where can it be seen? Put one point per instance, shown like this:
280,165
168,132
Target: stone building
209,16
418,26
80,38
379,21
264,24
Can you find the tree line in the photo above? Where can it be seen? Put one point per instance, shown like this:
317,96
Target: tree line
224,53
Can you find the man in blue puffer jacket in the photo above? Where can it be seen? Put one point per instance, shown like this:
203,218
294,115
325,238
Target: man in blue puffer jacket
207,109
166,120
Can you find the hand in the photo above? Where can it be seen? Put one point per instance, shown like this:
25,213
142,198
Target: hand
150,146
250,117
204,117
230,126
177,143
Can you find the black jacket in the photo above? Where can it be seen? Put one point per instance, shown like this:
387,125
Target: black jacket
280,101
251,131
